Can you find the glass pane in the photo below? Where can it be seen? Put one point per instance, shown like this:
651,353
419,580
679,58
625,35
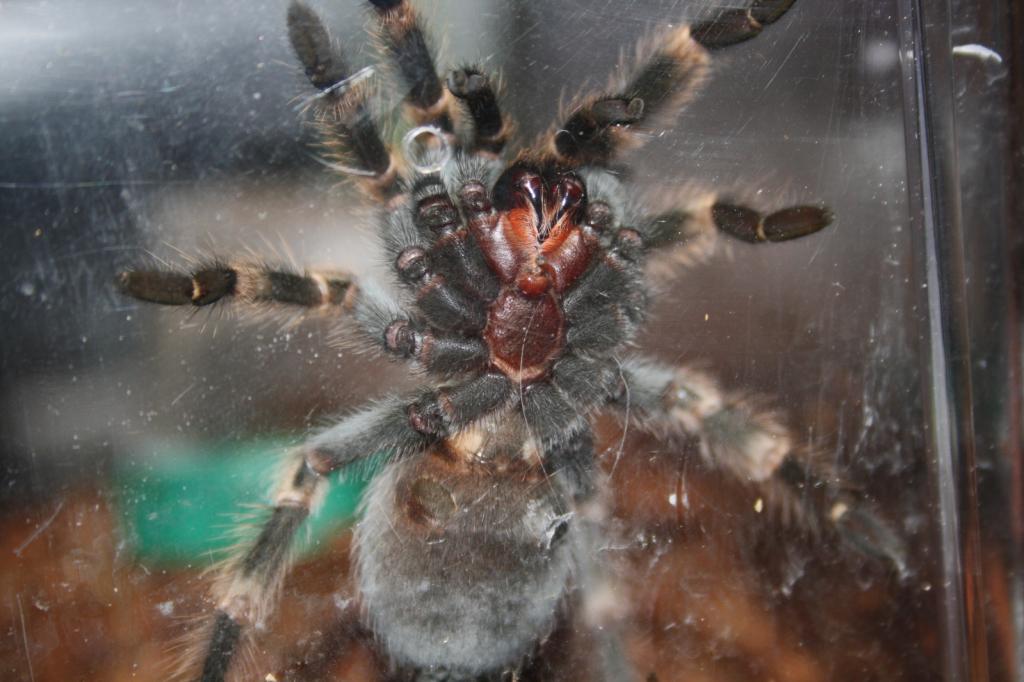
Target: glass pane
138,437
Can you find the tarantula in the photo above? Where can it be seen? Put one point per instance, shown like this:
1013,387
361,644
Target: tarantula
525,285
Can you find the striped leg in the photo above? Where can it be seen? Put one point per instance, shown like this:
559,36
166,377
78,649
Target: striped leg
403,38
684,227
246,282
377,317
752,443
668,72
248,588
689,236
349,133
736,25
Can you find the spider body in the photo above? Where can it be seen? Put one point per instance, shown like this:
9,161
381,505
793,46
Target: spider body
525,283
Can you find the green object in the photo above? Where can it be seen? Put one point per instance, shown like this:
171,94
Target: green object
183,506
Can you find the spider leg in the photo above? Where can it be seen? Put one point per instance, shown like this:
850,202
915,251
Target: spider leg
691,228
429,239
442,262
665,77
689,235
667,73
379,319
682,227
752,444
567,442
449,308
599,607
402,428
473,88
402,36
444,354
556,410
248,588
599,322
452,251
439,261
733,26
749,225
248,282
349,133
382,321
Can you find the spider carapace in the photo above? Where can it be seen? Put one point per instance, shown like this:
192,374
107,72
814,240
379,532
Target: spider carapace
536,245
524,281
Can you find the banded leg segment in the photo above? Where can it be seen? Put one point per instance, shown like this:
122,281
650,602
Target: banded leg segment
404,40
349,133
735,434
683,227
748,225
669,70
689,235
473,88
377,317
751,443
733,26
249,586
247,282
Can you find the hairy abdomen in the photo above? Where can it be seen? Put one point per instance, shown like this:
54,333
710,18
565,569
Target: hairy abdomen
462,566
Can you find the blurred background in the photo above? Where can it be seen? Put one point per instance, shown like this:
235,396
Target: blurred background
140,132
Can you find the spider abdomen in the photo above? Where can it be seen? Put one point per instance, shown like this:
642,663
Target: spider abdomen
462,562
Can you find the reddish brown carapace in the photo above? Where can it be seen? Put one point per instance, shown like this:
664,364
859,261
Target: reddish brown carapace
533,240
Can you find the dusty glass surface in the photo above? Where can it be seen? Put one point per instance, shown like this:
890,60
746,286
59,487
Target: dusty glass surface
141,131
